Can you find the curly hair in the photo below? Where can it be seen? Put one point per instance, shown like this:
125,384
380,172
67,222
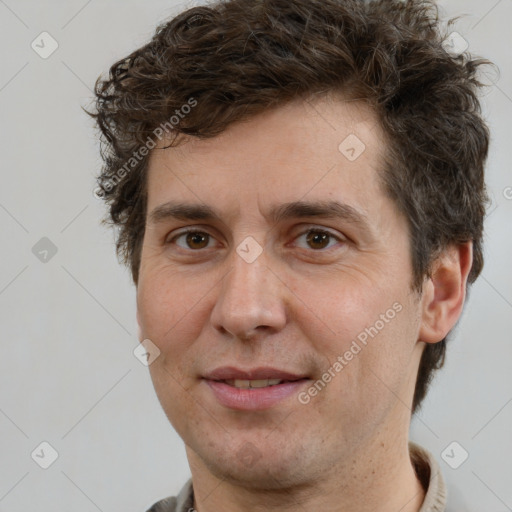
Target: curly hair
224,62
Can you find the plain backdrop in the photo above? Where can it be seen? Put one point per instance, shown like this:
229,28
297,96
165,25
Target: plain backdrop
68,373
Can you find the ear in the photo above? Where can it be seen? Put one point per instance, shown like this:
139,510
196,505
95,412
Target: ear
140,328
444,293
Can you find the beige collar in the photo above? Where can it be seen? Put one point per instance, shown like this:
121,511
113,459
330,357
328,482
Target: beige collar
430,476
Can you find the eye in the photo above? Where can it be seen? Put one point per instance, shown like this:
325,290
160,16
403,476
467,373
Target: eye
318,239
194,239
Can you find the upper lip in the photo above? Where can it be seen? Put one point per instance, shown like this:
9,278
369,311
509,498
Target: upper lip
261,373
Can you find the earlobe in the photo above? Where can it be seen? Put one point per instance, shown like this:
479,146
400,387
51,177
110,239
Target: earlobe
445,291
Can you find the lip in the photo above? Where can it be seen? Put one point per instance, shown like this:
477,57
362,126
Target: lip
260,373
253,399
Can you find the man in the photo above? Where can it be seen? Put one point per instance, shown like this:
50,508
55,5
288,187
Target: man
299,190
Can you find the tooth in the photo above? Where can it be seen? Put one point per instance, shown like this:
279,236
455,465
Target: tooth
259,383
242,383
256,383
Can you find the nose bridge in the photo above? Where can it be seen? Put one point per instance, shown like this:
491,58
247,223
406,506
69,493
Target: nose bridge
249,297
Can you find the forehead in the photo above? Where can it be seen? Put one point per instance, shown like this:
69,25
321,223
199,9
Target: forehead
327,148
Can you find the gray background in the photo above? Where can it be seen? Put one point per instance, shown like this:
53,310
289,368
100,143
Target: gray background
68,373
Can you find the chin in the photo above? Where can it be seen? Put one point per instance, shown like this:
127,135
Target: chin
248,468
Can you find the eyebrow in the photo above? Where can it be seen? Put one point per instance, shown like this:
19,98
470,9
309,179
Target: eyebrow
278,213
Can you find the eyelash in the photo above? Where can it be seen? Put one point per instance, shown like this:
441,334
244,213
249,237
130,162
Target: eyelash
310,230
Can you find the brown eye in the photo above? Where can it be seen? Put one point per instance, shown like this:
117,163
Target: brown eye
318,239
197,240
193,239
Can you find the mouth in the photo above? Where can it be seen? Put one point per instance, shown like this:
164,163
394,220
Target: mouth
254,384
255,389
261,376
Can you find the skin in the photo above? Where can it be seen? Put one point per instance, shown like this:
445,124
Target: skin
297,307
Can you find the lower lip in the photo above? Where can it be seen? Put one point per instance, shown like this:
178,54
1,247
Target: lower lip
254,399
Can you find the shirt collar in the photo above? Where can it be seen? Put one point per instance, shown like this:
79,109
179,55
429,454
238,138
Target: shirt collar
429,474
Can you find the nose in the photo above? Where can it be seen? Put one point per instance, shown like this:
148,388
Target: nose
252,299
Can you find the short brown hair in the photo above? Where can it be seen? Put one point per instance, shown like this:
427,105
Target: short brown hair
237,58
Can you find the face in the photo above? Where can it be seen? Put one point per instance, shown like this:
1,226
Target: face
276,285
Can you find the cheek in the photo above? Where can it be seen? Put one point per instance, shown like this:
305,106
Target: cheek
373,380
372,330
167,311
337,312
